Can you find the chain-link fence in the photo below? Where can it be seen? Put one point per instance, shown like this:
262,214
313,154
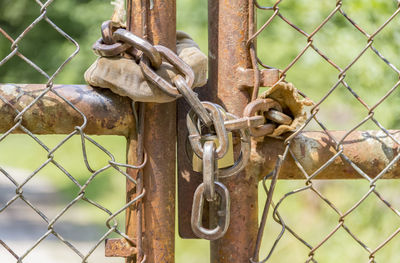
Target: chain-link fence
323,239
336,212
58,109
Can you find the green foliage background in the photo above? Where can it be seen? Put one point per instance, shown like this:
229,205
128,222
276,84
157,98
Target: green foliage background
370,77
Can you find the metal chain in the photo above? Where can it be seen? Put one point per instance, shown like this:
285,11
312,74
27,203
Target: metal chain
121,40
215,119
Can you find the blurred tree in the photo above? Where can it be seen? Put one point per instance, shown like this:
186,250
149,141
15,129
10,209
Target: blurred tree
370,77
44,45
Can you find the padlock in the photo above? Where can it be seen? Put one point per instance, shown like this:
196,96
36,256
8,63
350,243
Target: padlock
226,161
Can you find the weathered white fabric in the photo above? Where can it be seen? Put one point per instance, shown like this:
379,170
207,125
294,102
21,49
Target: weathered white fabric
124,77
287,96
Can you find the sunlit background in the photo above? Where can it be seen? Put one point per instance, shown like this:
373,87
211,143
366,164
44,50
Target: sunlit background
370,77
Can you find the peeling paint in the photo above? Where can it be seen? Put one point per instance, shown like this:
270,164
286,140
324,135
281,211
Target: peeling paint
9,90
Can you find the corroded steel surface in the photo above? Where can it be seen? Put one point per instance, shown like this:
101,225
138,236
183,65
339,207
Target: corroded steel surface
228,25
188,180
245,78
158,24
371,151
106,113
118,247
228,34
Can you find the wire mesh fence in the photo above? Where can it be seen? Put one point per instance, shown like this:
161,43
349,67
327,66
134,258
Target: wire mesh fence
314,239
339,219
20,101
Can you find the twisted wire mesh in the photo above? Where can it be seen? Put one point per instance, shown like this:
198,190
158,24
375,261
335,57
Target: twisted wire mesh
310,177
111,222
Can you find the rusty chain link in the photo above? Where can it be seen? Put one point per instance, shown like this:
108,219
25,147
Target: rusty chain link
206,113
264,106
209,114
277,215
121,40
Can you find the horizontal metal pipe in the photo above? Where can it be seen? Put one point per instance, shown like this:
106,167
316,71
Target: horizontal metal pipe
106,112
110,114
370,151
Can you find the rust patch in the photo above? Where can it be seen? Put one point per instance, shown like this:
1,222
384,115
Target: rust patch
106,112
117,247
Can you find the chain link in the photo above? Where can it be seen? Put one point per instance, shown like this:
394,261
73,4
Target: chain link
193,100
182,88
223,213
263,106
216,120
210,170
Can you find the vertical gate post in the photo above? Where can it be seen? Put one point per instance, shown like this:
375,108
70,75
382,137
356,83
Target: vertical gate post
159,23
228,34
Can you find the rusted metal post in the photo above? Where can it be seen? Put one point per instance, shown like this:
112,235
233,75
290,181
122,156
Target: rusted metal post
228,34
159,24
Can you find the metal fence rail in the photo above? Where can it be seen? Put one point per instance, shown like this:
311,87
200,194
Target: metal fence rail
342,144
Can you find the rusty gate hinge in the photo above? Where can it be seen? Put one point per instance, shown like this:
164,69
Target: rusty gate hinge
119,247
245,77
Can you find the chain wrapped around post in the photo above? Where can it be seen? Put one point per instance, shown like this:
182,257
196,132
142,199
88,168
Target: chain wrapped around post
208,123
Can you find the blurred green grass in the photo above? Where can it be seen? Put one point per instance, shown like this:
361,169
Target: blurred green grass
277,45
